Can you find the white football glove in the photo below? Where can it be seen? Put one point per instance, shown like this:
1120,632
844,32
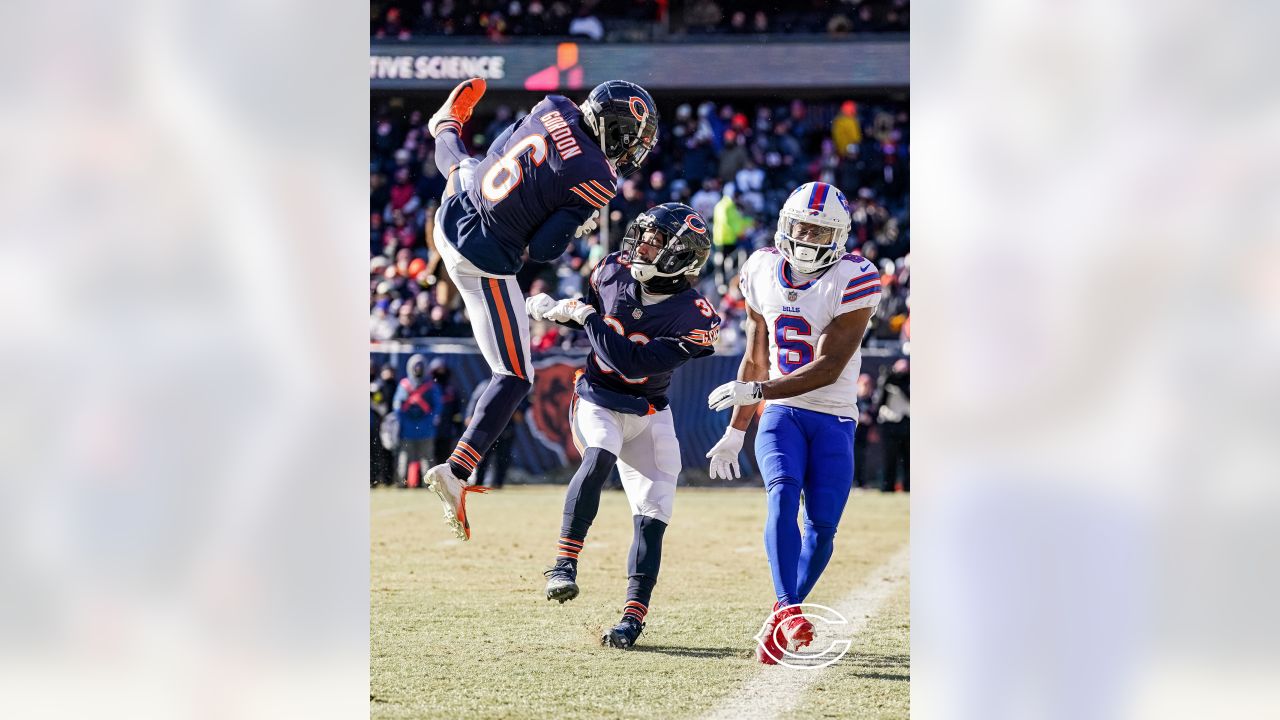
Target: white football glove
735,392
724,455
570,310
587,227
538,305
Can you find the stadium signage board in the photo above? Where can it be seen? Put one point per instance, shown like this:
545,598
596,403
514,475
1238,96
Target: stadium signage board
694,66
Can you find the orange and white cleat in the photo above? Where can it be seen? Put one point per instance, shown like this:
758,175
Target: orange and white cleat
453,496
456,110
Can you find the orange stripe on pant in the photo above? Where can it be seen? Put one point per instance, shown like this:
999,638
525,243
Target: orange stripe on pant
516,358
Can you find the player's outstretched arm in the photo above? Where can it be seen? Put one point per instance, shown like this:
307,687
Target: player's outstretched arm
662,354
836,347
754,367
565,224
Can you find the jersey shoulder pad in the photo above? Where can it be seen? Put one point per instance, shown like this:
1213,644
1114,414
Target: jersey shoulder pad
761,261
548,104
704,322
608,266
764,257
860,282
590,180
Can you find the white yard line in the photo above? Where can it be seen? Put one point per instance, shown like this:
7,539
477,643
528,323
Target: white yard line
777,689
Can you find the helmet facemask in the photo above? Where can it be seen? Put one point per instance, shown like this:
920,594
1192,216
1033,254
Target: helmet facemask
660,262
809,246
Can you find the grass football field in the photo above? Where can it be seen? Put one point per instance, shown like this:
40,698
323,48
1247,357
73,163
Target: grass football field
462,630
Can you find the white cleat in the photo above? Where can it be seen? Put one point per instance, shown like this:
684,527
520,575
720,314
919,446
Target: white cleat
453,496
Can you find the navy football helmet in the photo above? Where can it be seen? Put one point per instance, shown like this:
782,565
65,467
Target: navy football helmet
667,246
624,120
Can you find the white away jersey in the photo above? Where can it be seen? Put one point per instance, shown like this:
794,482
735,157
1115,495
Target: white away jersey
798,313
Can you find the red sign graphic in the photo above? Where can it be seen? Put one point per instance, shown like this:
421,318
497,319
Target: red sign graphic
565,74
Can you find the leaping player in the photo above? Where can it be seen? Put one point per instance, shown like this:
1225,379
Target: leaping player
542,184
644,319
808,305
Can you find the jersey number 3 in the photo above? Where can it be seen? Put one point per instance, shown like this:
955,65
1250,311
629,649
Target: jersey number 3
506,174
793,352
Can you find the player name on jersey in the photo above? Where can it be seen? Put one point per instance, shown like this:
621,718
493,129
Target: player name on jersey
561,134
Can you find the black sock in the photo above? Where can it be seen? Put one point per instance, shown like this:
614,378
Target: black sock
642,565
582,501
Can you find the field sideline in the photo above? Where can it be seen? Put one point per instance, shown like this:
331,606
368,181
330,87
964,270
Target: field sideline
462,630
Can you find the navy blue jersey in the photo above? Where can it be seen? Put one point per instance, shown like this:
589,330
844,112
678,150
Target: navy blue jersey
636,347
541,179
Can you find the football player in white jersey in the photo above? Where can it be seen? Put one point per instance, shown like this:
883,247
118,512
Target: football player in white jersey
808,304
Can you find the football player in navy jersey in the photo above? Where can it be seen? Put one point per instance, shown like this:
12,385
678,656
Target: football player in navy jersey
644,319
543,182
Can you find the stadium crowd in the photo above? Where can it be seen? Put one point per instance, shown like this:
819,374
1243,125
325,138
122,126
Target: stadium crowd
406,20
734,163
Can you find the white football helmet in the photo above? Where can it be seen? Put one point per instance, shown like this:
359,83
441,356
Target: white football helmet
813,227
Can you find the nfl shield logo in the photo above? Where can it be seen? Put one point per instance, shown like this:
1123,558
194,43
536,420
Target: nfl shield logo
637,313
792,295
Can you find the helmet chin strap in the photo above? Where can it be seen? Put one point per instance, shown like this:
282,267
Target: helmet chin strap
597,128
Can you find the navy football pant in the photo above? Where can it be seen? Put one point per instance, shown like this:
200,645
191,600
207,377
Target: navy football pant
450,152
500,324
803,452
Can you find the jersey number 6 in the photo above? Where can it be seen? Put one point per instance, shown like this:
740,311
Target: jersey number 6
506,174
793,353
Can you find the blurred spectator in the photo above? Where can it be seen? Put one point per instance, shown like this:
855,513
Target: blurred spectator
375,234
503,116
862,474
839,25
452,405
728,227
381,389
399,235
391,27
704,201
749,184
401,20
381,327
658,191
418,404
587,25
430,185
496,465
408,324
893,417
846,132
702,15
734,157
439,324
733,310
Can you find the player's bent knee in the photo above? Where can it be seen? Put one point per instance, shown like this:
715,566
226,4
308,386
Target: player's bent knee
512,383
782,482
820,529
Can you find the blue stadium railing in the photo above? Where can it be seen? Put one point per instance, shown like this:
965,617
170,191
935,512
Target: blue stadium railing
544,449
